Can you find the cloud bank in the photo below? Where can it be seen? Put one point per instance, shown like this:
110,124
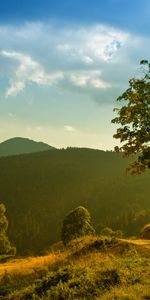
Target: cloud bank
94,60
56,76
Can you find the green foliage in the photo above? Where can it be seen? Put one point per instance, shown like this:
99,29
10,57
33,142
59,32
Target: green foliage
82,246
134,118
130,222
5,246
76,224
104,274
145,232
3,219
113,233
72,282
40,189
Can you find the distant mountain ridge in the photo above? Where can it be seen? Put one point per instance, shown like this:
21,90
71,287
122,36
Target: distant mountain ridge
19,145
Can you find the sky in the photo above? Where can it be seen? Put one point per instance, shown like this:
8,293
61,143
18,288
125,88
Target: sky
63,63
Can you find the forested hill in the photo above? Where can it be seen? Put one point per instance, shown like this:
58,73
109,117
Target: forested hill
40,189
19,145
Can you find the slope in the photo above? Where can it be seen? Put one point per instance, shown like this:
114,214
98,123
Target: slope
40,189
90,268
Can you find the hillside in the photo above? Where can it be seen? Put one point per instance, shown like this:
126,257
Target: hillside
19,145
89,268
40,189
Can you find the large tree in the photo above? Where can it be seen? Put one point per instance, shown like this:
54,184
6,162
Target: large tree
134,120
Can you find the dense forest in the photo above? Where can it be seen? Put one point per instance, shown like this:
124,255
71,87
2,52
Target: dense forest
39,189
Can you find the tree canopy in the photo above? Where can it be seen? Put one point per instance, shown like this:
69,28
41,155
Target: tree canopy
134,118
76,224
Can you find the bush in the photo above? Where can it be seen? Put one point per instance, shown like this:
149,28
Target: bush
113,233
72,282
145,232
76,224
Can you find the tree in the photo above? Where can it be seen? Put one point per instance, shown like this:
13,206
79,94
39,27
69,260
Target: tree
76,224
134,118
5,246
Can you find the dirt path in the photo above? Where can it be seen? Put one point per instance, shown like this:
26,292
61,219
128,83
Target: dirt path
29,265
139,242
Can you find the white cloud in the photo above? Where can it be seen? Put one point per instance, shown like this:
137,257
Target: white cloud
11,115
38,128
28,70
15,88
69,128
73,54
64,47
87,60
88,79
94,43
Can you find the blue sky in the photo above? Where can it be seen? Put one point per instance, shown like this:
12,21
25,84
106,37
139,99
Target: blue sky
62,65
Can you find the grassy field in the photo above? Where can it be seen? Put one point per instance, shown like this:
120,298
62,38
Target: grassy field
90,268
29,265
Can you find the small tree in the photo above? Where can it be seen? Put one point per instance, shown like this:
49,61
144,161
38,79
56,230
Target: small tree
145,232
5,246
134,118
76,224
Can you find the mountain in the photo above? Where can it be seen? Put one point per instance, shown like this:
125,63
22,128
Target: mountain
19,145
39,189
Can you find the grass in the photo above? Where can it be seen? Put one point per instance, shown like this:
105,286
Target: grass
29,265
90,268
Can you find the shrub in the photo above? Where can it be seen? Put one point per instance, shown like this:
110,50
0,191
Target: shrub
113,233
145,232
76,224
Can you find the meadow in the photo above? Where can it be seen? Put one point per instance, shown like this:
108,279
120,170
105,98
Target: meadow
89,268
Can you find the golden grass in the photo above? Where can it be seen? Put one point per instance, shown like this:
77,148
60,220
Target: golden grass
29,265
133,292
127,261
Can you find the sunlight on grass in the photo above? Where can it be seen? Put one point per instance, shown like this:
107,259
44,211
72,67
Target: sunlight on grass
29,265
89,268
